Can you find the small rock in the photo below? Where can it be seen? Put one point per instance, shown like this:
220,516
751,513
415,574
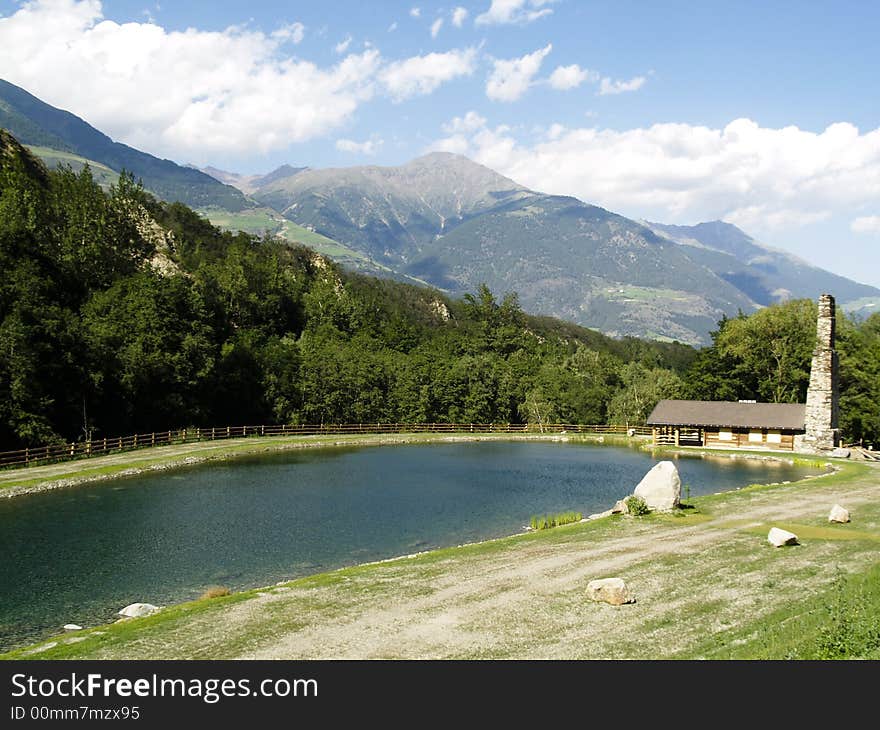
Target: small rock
838,514
137,610
74,639
41,649
660,487
777,537
840,453
609,590
600,515
72,627
620,508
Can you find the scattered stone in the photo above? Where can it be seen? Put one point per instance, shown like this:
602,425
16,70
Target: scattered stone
660,487
620,507
840,453
137,610
777,537
74,639
41,649
282,582
838,514
609,590
600,515
72,627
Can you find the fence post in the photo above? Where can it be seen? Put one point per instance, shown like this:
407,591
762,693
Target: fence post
153,439
27,457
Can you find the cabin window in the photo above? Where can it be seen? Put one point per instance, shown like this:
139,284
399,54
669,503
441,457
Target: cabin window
774,437
755,437
725,435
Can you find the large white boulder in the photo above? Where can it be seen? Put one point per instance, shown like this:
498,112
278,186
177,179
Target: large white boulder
609,590
137,610
660,487
778,537
72,627
838,514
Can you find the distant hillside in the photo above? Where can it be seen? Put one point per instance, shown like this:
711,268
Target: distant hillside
765,274
249,183
453,223
36,123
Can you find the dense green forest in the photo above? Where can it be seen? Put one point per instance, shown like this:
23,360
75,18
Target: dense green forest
120,313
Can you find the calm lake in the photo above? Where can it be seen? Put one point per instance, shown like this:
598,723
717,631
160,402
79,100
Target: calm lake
78,555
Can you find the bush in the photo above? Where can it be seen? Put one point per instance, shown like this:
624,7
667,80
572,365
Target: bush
637,506
215,592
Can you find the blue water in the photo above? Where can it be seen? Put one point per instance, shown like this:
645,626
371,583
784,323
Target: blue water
79,554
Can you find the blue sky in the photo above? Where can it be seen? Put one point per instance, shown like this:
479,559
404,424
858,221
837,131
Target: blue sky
763,114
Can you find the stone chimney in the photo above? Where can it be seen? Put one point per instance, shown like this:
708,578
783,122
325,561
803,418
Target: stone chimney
822,409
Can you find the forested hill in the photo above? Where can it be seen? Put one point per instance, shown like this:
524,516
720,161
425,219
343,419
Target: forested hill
120,313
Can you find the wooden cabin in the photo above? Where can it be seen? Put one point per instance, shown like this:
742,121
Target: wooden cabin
742,424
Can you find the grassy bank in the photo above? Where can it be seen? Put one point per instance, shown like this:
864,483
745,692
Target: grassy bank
706,581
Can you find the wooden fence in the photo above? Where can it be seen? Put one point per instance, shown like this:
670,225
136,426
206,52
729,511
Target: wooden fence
97,447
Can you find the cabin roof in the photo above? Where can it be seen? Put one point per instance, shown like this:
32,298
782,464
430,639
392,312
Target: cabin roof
784,416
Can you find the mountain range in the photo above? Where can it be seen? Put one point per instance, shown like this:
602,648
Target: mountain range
446,221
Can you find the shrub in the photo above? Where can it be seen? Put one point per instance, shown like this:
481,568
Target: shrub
636,505
215,592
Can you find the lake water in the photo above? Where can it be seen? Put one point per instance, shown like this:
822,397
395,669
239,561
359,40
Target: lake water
78,555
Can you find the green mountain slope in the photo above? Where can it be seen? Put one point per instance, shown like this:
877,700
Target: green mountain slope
102,174
389,213
453,223
34,122
766,274
582,263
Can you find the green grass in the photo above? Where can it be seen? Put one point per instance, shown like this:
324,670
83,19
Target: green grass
103,175
842,622
545,522
255,221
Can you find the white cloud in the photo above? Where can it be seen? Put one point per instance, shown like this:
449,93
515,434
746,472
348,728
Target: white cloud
502,12
436,26
342,46
470,122
609,86
459,15
569,77
370,147
757,177
293,32
392,27
866,224
511,78
186,94
421,75
415,12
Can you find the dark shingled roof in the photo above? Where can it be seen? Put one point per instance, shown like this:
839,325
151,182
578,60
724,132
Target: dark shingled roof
787,416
